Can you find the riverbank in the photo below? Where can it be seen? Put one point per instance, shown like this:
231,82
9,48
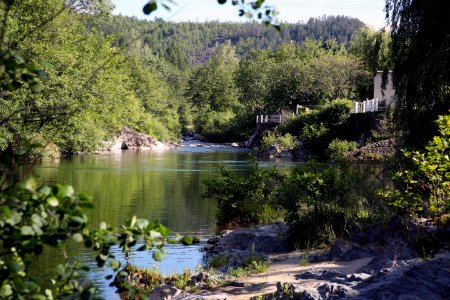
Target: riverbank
377,263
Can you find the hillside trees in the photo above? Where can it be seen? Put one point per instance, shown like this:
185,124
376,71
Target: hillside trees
89,95
373,48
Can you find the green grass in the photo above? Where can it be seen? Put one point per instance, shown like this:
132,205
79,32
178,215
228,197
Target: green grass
217,261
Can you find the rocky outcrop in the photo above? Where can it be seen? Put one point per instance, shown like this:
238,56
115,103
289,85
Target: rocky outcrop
128,138
408,279
375,151
235,247
266,239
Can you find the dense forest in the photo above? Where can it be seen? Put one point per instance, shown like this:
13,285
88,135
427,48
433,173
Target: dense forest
102,72
189,43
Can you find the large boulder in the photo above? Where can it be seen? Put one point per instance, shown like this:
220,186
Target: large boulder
128,138
166,292
265,239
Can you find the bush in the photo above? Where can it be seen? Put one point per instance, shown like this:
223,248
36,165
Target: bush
337,149
321,200
423,185
285,142
214,126
335,113
246,201
317,129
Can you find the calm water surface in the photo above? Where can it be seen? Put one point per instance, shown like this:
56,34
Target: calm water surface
157,186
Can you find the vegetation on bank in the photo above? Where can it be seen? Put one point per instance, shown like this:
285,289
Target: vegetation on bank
103,72
93,87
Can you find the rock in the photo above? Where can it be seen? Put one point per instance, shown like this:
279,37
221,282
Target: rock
166,292
344,250
429,279
266,239
204,280
321,274
335,291
376,151
277,151
205,297
51,152
129,138
289,291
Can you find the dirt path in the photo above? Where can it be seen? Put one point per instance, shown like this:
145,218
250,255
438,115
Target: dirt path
284,267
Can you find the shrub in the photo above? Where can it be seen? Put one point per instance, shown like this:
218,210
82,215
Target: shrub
337,149
424,183
335,113
317,129
245,201
320,200
217,261
285,142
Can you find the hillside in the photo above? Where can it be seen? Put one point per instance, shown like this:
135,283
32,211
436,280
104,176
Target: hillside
192,43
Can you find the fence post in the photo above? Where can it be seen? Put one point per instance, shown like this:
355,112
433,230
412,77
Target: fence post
364,106
376,104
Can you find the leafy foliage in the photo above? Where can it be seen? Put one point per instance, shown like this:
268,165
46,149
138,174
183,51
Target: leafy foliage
245,201
321,200
318,128
285,142
338,149
33,217
424,184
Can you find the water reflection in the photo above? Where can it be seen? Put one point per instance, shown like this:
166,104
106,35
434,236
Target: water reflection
157,186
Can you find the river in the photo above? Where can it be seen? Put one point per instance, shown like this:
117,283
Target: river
164,186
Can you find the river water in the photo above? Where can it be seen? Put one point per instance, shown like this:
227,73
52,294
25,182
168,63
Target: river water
163,186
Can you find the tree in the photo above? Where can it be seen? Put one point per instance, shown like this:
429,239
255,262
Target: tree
212,85
373,48
254,79
421,63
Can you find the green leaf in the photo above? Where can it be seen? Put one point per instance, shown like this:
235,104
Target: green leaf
132,221
6,291
164,230
30,184
66,191
186,240
103,226
52,201
77,237
27,230
36,87
150,7
45,190
114,264
158,255
78,219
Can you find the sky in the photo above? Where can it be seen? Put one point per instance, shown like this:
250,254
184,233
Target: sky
291,11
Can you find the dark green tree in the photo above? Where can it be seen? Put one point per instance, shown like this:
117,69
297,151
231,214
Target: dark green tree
421,63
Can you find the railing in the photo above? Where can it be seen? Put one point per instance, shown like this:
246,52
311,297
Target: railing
267,119
366,106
